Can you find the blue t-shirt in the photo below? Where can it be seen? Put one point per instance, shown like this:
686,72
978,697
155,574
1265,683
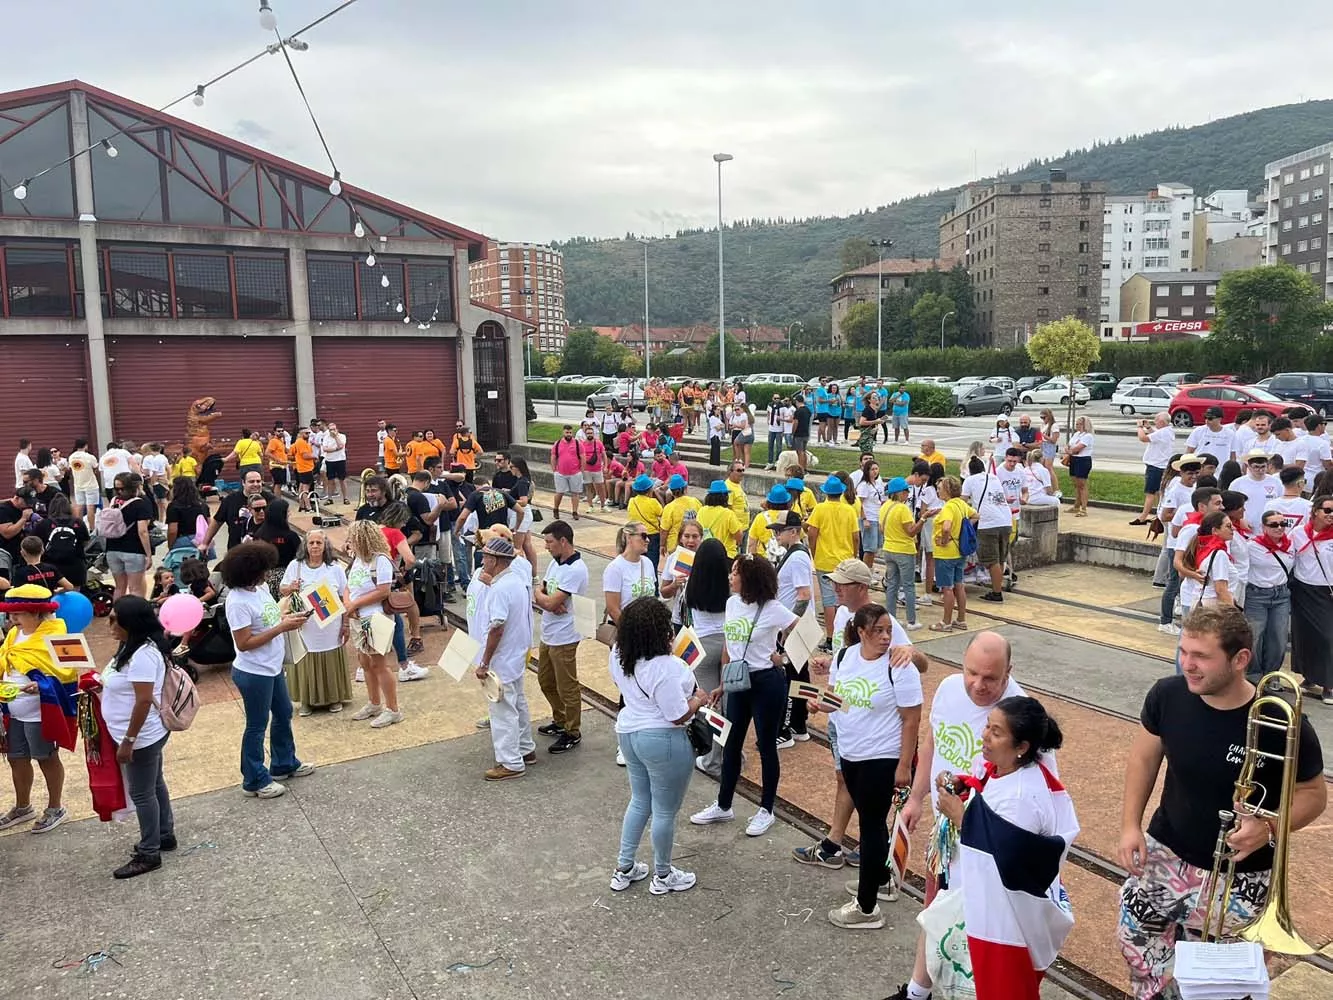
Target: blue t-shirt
851,404
858,393
821,401
902,402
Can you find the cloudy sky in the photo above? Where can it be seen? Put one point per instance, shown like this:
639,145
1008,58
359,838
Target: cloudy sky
535,120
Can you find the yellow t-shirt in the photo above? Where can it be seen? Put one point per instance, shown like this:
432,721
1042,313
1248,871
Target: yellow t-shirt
645,509
895,517
721,523
955,511
761,530
839,527
249,452
673,517
187,466
935,457
739,503
806,502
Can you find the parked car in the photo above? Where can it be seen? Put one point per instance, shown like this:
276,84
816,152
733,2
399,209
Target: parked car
1101,385
930,379
980,398
1222,380
1315,389
764,378
1142,399
1005,383
621,392
571,378
1179,378
1190,403
1130,381
1028,382
1057,390
970,380
1263,383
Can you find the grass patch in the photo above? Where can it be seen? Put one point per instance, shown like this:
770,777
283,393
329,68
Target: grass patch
1107,487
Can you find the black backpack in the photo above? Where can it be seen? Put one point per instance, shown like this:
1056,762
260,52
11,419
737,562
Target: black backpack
63,544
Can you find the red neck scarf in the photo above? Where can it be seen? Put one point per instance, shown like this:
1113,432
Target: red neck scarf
1316,536
1264,540
1195,518
1208,544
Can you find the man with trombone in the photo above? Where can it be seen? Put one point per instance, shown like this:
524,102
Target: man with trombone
1234,751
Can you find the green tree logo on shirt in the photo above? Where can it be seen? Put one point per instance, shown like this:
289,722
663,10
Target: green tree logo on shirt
957,744
270,615
857,692
738,629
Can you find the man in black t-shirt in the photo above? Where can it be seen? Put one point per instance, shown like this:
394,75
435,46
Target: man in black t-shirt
234,511
505,477
800,430
377,498
15,516
1197,722
42,491
491,506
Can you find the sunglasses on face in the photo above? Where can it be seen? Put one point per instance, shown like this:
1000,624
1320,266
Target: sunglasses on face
1326,510
1272,524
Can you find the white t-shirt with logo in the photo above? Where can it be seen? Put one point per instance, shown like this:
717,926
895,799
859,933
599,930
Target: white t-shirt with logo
1295,511
113,463
572,578
870,727
752,632
1293,451
510,604
317,636
992,498
1161,444
84,466
1258,494
334,446
364,577
655,696
118,698
477,622
1203,440
629,579
798,570
956,722
256,610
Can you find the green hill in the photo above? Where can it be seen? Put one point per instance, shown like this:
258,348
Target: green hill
778,270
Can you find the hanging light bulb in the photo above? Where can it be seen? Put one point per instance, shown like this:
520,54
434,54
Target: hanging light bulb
336,185
111,150
21,191
400,307
359,231
407,319
370,260
384,281
423,326
198,96
267,19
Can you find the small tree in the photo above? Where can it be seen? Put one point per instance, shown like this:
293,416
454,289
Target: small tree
1065,347
860,326
551,364
929,317
856,252
631,364
1267,318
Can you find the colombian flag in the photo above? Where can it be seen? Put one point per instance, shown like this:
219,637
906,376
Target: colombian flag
688,647
684,563
324,601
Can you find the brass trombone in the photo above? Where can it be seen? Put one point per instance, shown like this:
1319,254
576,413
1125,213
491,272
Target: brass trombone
1272,927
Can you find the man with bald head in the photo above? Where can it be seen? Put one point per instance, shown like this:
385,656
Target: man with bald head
952,742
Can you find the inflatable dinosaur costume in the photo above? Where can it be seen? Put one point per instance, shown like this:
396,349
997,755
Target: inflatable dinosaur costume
198,437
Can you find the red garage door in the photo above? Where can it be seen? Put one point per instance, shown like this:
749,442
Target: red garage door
46,394
155,379
408,381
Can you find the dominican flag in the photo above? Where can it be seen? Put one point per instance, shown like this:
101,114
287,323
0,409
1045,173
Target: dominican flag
1016,910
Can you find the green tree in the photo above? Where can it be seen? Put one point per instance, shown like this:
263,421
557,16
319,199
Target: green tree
855,252
958,286
859,326
1268,318
1065,347
581,353
551,365
813,334
631,364
608,357
928,317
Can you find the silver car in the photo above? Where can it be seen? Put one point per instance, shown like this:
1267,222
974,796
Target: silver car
622,392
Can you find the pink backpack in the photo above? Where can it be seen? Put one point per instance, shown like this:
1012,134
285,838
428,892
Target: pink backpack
180,699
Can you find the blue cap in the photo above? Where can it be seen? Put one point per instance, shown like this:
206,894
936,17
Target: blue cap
833,486
676,482
643,484
796,485
779,494
896,485
718,486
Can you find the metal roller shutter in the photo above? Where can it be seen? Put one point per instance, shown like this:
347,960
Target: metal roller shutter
408,381
155,379
46,394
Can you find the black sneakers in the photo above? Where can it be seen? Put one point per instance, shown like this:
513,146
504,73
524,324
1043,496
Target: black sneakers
564,743
168,842
993,597
137,865
550,729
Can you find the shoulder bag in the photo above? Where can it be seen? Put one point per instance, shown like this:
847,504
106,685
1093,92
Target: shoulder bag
736,673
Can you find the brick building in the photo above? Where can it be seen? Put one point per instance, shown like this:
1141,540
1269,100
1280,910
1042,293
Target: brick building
1032,250
528,280
1300,226
852,287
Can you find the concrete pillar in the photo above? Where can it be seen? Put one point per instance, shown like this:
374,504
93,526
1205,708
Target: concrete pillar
99,380
304,346
467,378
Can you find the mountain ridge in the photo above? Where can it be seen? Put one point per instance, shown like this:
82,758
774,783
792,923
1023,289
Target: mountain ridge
777,271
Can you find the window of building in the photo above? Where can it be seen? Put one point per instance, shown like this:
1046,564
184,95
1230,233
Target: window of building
1043,268
1106,266
1302,246
1187,291
1184,216
1106,301
1288,178
1044,224
1081,312
140,285
1185,234
1286,249
1317,218
1083,269
1286,225
1162,311
36,137
38,281
1084,225
1318,169
1317,194
1304,199
1186,311
1043,312
1161,291
1305,173
1210,290
1317,243
1315,267
1084,202
1043,248
261,287
1082,291
1288,201
202,286
1302,222
1043,289
1083,247
1045,202
1184,255
1106,227
1210,310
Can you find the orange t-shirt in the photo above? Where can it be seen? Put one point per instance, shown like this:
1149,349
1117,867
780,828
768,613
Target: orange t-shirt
391,460
466,457
277,451
417,452
303,455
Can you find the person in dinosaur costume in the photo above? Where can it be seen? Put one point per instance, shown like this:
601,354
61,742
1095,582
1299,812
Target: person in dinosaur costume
198,437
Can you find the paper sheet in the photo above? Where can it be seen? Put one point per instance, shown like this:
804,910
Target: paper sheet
460,655
373,633
585,615
70,651
798,648
296,649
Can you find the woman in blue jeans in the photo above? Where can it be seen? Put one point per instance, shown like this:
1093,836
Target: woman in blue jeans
1268,593
257,628
660,699
755,622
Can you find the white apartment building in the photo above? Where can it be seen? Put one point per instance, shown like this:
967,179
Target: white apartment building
527,280
1299,226
1227,214
1142,234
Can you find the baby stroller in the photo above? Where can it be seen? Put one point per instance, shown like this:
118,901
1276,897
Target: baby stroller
97,584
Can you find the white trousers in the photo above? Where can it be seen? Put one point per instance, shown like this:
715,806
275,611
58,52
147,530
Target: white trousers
511,726
1042,500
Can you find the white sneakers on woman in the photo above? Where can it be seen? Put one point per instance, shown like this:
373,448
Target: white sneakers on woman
386,718
675,881
713,814
620,881
758,826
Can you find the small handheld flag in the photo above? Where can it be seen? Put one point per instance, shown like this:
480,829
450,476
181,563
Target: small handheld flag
688,647
70,651
720,725
324,601
803,689
684,562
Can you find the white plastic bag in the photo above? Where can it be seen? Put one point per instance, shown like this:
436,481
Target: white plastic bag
947,957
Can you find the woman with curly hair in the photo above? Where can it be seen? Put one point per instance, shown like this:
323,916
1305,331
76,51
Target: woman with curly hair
368,583
660,699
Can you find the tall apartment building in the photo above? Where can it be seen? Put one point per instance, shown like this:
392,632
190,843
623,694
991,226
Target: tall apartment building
527,280
1031,250
892,275
1299,227
1144,234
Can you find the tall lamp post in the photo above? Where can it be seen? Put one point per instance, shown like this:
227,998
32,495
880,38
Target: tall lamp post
719,159
792,327
647,341
880,246
942,319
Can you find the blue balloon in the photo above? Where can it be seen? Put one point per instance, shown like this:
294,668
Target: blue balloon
75,610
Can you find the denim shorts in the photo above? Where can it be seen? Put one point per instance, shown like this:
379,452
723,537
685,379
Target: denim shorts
900,421
948,572
126,562
871,537
26,742
833,743
826,591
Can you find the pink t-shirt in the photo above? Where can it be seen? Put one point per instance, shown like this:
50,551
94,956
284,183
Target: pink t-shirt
566,457
650,439
615,469
593,454
661,470
678,469
624,442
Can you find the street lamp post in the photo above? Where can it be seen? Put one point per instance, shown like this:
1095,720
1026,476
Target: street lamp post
719,159
942,319
647,341
789,330
880,246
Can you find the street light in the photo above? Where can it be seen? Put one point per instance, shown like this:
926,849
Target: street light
647,342
880,246
942,319
719,159
791,327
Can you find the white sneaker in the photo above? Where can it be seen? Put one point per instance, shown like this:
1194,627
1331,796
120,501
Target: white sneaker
367,711
412,671
620,757
270,791
713,814
386,718
758,826
912,626
359,676
924,601
675,881
850,916
1170,628
620,881
483,723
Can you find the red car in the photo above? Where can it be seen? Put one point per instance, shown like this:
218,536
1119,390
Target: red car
1192,401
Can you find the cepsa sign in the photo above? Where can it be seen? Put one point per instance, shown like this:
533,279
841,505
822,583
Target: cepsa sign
1173,326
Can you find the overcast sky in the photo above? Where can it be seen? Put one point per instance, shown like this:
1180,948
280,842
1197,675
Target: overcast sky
531,120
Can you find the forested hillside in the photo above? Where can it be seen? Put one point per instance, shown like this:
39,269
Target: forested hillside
777,271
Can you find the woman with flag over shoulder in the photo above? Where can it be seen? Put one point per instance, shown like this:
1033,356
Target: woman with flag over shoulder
1015,831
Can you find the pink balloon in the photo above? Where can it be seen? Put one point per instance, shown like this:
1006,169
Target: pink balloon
180,613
